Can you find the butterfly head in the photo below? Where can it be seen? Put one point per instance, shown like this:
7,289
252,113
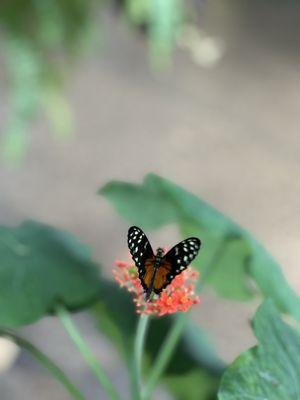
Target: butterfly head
160,252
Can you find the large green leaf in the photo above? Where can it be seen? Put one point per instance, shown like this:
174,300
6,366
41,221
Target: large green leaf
270,370
40,266
230,256
116,317
193,385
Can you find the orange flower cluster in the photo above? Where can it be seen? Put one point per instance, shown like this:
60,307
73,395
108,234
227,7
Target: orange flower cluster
179,296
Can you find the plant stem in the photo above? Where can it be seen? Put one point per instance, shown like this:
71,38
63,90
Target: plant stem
56,372
174,334
164,354
140,337
86,353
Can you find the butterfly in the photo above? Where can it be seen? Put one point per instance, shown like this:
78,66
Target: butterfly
156,271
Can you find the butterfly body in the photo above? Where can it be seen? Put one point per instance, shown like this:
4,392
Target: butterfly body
156,271
156,265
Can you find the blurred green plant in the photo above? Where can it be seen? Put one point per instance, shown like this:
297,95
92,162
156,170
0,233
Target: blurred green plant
41,40
46,271
39,267
162,20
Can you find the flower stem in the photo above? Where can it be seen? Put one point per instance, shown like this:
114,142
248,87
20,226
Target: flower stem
140,337
164,354
56,372
86,353
174,334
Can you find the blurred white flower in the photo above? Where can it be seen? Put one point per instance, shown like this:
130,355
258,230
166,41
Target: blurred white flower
205,50
8,354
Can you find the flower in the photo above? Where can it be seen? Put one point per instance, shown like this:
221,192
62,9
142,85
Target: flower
178,296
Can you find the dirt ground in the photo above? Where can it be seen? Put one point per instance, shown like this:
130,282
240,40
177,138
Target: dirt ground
229,134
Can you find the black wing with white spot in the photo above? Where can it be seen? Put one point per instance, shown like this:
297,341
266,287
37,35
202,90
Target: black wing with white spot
181,255
140,248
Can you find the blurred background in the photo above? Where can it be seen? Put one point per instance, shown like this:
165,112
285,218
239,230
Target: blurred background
210,100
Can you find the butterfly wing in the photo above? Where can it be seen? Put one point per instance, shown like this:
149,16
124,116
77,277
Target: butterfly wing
142,255
176,261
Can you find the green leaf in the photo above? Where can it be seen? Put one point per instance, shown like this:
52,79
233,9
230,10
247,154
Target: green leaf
144,205
270,370
200,347
40,266
224,262
116,317
230,257
194,385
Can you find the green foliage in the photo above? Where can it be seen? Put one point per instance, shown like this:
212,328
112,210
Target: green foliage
42,38
165,20
116,317
230,256
271,370
193,356
42,267
194,385
162,20
39,267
